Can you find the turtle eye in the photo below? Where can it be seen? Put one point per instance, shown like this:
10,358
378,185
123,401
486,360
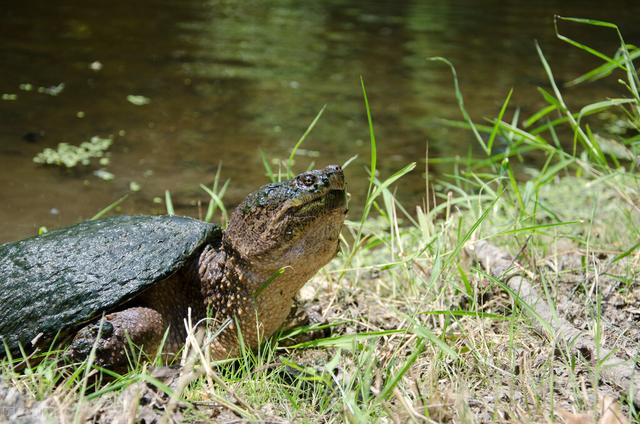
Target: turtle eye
307,180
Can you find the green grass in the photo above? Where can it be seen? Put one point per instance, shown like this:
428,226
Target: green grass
419,333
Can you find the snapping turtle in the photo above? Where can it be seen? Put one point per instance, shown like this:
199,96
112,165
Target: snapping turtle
132,277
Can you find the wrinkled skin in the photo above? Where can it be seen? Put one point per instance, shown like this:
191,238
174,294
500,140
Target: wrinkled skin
277,239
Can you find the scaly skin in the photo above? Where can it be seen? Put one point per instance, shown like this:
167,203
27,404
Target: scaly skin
290,229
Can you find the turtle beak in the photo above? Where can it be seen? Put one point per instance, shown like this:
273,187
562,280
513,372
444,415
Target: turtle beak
336,177
336,197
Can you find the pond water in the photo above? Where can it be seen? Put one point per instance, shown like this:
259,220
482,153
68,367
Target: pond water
228,79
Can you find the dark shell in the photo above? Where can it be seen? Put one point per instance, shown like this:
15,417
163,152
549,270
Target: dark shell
69,276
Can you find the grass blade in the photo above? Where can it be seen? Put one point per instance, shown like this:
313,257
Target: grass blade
397,376
301,140
460,100
168,203
109,208
372,139
494,132
584,139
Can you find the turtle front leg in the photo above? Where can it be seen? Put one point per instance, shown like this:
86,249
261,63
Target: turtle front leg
303,314
144,327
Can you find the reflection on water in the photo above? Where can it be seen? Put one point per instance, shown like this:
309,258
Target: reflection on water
227,79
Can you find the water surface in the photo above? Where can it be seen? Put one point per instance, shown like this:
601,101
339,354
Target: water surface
227,79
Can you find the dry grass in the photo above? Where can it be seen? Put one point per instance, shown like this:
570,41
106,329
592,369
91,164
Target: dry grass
415,337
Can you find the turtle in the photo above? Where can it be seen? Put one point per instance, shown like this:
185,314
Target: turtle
106,283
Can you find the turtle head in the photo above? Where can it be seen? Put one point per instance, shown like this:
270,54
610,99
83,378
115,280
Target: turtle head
294,223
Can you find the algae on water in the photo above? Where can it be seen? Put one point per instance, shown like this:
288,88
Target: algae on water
68,155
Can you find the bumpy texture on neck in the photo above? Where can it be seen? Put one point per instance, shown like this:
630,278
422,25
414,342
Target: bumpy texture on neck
277,239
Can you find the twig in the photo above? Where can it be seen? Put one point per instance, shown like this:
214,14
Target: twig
613,369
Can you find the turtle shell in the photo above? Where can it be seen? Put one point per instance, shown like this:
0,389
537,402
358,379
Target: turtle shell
54,282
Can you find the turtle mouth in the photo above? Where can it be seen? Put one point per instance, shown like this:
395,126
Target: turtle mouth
335,199
332,201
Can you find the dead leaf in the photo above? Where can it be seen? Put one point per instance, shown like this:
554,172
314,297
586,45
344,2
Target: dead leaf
610,412
570,418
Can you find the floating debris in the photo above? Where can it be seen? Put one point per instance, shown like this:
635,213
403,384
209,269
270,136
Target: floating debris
54,90
134,186
95,66
9,96
138,100
26,87
69,155
103,174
